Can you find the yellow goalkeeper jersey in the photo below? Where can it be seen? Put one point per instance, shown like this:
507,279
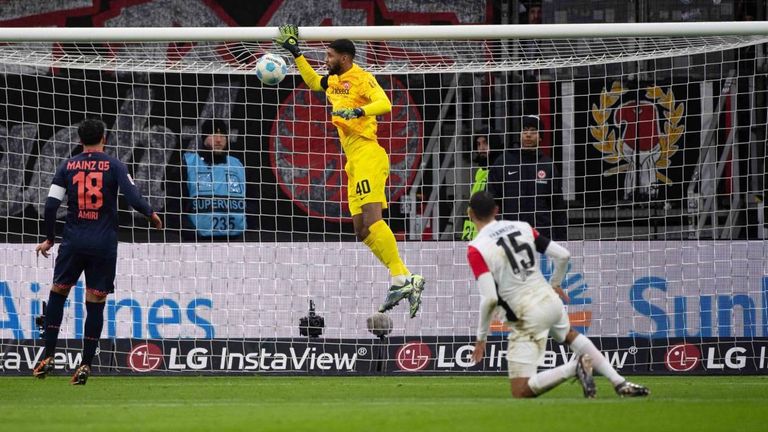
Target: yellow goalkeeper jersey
355,88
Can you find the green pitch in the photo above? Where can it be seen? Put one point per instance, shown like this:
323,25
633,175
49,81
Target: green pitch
374,404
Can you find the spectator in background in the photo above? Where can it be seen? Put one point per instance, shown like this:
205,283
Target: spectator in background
527,184
211,187
533,12
481,158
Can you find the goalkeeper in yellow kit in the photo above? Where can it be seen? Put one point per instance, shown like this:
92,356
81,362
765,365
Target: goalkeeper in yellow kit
357,98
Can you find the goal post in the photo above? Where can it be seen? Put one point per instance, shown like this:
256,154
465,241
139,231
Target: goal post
415,32
657,132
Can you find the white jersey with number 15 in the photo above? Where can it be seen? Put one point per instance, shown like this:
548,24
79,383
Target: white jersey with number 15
510,252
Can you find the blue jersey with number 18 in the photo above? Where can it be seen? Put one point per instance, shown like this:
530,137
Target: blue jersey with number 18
92,180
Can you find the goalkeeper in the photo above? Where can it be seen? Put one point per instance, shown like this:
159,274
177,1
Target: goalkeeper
357,98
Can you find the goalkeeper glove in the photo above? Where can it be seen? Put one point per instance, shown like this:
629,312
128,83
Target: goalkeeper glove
289,39
349,113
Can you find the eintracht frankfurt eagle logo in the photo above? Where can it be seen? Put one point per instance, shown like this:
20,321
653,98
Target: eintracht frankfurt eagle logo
638,136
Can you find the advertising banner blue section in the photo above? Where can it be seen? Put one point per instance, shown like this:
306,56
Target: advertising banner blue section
394,356
225,291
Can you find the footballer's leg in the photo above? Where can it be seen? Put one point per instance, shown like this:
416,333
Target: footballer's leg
562,332
630,389
380,239
522,359
414,299
99,277
584,375
544,381
581,345
94,322
80,377
520,388
522,363
43,367
66,271
54,313
527,342
367,199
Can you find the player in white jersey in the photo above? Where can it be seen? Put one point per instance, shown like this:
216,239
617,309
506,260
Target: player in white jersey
504,259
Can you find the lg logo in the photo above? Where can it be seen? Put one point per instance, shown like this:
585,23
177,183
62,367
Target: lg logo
145,357
682,358
413,356
687,357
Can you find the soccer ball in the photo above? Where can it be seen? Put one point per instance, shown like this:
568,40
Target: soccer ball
271,69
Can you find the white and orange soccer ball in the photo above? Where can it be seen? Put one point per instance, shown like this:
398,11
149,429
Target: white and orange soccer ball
271,69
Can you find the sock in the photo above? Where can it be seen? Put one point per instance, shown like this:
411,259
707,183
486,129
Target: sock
382,243
54,312
400,280
544,381
582,345
94,322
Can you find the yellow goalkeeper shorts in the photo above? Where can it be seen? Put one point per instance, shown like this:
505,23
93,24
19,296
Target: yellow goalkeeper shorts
367,172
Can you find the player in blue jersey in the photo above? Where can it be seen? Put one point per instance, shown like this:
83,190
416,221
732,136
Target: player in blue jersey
90,180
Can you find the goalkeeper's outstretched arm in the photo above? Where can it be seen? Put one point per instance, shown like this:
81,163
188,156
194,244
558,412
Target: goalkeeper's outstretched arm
289,39
313,80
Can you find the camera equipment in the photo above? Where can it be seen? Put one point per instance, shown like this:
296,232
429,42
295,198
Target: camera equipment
40,320
311,325
379,324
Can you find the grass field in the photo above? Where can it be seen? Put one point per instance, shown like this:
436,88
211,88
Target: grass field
374,404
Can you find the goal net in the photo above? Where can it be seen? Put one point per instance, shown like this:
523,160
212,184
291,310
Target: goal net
657,134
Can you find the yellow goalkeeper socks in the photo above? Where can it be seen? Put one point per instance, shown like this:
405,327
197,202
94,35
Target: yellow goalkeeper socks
382,243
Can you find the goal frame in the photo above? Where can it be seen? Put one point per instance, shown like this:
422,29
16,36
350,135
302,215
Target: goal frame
384,33
417,32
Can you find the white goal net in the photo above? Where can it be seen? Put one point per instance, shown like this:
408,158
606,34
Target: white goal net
657,136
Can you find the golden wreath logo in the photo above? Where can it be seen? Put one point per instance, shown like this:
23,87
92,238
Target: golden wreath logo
632,136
